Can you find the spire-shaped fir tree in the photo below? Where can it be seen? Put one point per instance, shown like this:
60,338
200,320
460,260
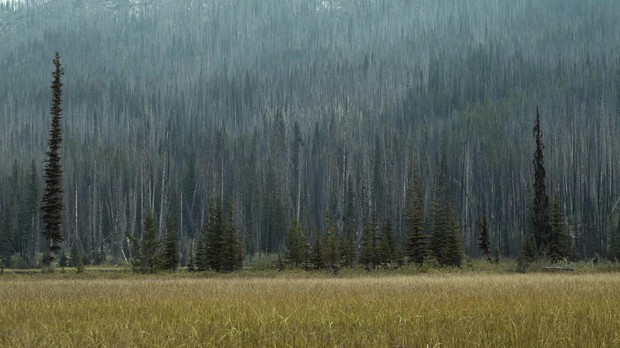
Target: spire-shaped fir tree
368,253
149,258
417,241
348,250
52,204
296,245
484,243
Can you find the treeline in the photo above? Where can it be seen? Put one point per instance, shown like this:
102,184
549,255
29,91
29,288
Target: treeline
310,111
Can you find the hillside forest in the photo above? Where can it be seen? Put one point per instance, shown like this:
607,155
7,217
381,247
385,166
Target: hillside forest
293,122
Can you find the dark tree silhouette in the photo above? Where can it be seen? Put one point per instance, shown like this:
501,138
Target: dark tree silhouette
6,241
349,235
76,259
368,253
52,194
561,244
232,253
332,245
296,245
440,228
453,254
318,255
417,243
171,245
542,226
483,242
191,263
387,246
215,237
149,259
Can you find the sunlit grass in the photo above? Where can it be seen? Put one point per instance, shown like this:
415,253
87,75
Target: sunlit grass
576,310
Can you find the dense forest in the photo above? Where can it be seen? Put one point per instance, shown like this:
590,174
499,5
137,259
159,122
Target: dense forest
317,111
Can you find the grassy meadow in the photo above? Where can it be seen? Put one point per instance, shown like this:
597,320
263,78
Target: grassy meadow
299,310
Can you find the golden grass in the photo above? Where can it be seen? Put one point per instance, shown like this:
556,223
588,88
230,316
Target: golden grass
448,310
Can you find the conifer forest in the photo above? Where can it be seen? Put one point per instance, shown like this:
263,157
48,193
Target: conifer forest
333,132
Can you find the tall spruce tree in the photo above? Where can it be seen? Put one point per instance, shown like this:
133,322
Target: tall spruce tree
561,245
417,243
149,258
440,228
171,245
349,234
540,217
332,246
453,253
484,243
368,253
318,254
215,237
191,262
28,211
296,245
6,243
201,255
387,245
528,247
232,253
446,245
615,243
528,252
52,204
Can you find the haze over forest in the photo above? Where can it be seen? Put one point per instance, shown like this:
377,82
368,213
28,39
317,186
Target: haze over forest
289,109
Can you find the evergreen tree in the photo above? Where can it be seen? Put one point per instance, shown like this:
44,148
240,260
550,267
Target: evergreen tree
76,258
446,245
6,247
201,255
280,263
274,217
349,235
52,204
368,254
483,241
149,259
317,258
496,256
232,257
417,243
528,252
296,245
332,246
542,226
453,254
522,263
29,207
171,245
561,245
191,263
215,238
387,247
615,243
440,228
528,248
